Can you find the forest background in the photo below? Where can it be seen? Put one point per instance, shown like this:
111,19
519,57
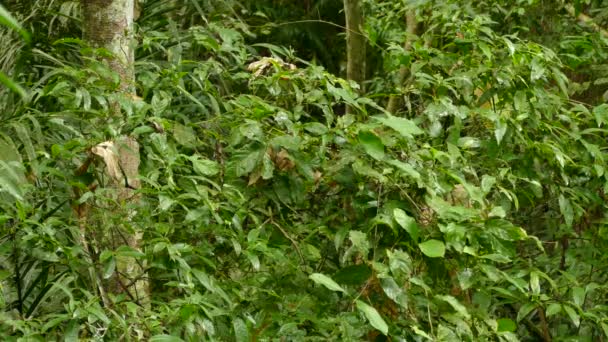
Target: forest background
275,170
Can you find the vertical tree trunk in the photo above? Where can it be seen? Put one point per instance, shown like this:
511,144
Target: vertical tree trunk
108,24
394,100
355,43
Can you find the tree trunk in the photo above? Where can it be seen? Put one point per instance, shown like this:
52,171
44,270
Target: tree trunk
355,44
395,100
108,24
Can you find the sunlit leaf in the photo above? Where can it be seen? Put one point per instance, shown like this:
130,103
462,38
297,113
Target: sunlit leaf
407,128
433,248
373,317
372,144
326,281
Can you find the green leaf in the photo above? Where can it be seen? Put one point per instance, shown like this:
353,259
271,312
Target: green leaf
578,295
506,324
353,274
71,331
576,319
316,128
247,164
205,167
184,135
499,132
600,113
326,281
553,309
406,168
406,222
496,257
9,21
373,317
566,210
372,144
605,328
525,310
12,85
534,283
241,333
407,128
433,248
393,291
108,267
127,251
165,338
461,309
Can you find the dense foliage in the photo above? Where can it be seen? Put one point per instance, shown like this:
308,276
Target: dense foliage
473,213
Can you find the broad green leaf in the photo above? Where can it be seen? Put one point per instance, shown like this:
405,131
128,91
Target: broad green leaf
461,309
195,214
71,331
373,317
506,324
343,94
553,309
108,267
525,310
487,182
287,141
316,128
241,333
204,167
566,210
247,164
605,328
359,241
600,113
499,132
537,70
406,222
353,275
406,168
127,251
165,202
433,248
98,313
326,281
496,257
372,144
184,135
578,295
574,316
534,283
393,291
407,128
165,338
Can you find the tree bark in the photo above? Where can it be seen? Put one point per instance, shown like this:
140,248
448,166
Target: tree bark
355,44
395,100
108,24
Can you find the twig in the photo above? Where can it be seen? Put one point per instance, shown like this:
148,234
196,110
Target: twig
293,242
